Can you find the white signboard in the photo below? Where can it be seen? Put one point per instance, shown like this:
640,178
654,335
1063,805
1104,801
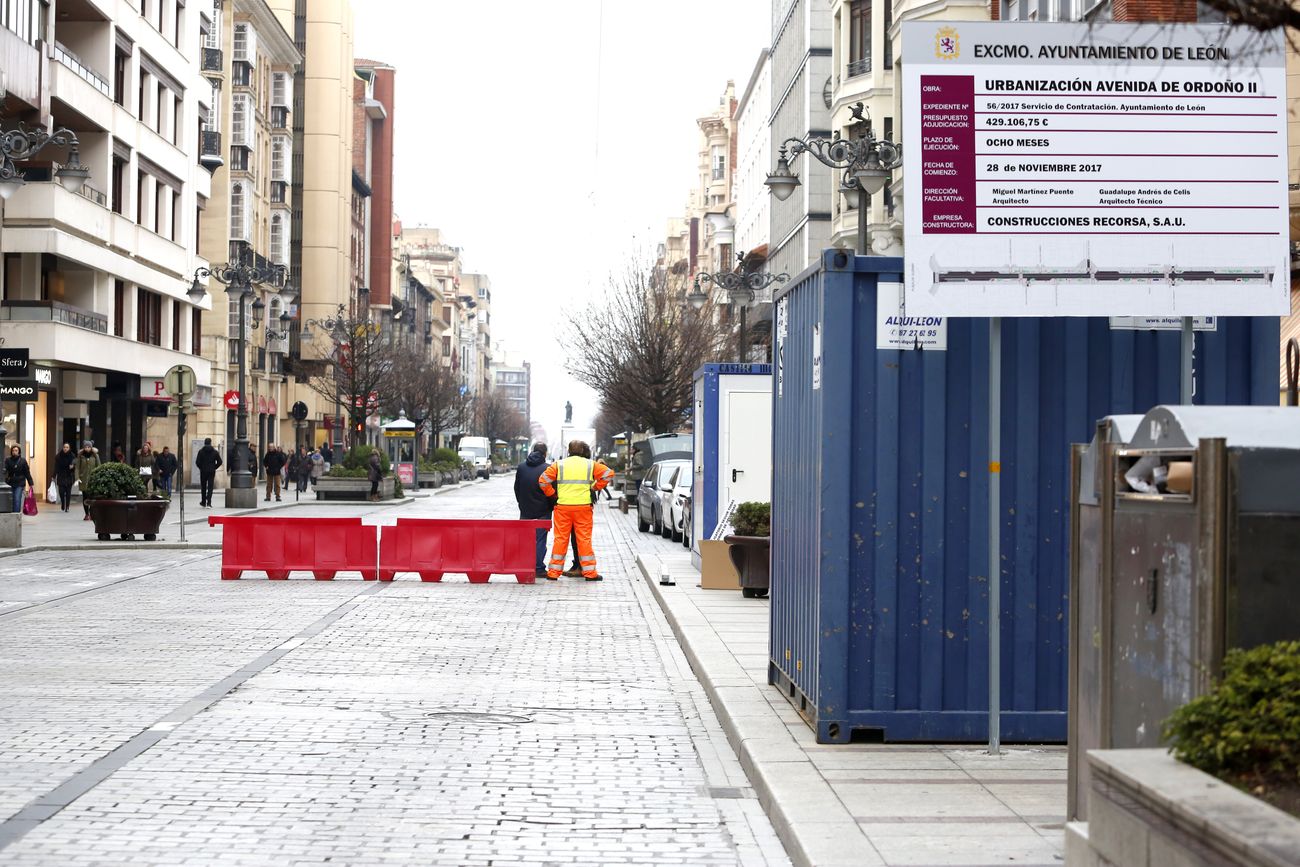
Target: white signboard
898,329
1162,323
1094,170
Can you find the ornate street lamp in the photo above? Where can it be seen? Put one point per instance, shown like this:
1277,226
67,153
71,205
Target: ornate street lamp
239,279
25,143
336,326
866,162
741,289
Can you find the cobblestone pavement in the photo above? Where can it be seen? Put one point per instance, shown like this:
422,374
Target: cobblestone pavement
154,714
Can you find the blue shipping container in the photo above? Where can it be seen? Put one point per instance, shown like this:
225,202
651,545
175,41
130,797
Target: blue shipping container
880,492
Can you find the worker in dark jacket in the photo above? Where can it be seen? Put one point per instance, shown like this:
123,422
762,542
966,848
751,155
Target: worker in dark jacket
164,468
207,460
533,504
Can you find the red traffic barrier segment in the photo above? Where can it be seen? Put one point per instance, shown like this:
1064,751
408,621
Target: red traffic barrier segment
278,546
434,547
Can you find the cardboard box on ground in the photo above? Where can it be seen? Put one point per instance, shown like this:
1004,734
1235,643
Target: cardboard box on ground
716,569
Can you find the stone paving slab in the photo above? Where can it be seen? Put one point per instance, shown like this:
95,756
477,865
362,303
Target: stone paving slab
172,718
856,804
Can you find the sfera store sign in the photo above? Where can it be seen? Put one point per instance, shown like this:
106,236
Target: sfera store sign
13,363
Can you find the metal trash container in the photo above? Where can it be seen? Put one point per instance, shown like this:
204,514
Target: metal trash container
1165,580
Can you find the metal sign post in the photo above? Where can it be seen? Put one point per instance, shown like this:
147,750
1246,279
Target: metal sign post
995,535
181,384
1187,347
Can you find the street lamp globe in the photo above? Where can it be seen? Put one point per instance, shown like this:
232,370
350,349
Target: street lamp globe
73,175
196,292
872,178
852,193
258,307
698,298
782,182
9,185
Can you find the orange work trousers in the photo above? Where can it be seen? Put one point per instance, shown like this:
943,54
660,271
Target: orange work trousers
577,518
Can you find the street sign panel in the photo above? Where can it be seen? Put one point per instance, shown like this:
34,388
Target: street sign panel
181,381
1094,170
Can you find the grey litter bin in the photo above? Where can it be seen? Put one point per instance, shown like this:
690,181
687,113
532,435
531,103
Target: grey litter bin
1164,582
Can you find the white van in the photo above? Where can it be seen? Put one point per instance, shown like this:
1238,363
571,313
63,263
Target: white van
478,451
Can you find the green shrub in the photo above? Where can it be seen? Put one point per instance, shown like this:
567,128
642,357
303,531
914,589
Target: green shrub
1246,730
358,456
445,456
752,519
397,489
113,481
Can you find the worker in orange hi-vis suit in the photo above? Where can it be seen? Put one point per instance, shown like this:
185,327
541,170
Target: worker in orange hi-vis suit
574,478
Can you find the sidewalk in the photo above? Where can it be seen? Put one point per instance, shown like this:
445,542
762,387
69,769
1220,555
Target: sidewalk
51,528
858,804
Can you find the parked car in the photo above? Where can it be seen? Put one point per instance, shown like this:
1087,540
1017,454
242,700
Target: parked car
653,494
679,506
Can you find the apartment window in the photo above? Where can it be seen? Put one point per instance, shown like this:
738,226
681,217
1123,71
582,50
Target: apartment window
860,37
176,326
120,62
241,42
212,39
446,313
176,216
159,198
139,197
178,114
148,317
239,120
277,239
119,185
196,331
139,106
279,151
446,346
238,213
719,153
177,14
119,308
280,89
889,43
158,108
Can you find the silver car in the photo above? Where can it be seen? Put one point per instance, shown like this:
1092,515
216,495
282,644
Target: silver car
654,496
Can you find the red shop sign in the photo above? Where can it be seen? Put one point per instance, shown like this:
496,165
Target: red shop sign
231,400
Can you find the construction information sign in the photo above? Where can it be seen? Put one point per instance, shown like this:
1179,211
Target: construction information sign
1094,170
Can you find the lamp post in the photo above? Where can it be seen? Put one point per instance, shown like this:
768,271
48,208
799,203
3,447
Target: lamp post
239,278
741,289
866,162
24,143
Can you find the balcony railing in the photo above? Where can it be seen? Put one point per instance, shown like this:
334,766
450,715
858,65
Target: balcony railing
242,74
53,311
73,62
279,117
96,196
279,191
860,67
239,158
213,61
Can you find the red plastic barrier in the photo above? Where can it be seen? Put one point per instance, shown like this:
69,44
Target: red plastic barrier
278,546
478,548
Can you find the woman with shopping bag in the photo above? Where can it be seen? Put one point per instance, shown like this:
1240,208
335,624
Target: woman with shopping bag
18,475
65,474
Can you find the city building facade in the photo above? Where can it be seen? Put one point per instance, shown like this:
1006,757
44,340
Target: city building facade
93,281
251,61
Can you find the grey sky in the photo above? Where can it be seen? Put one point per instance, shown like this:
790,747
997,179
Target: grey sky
552,141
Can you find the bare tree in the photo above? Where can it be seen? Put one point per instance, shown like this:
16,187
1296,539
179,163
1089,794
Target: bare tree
427,392
355,368
1259,14
497,419
640,350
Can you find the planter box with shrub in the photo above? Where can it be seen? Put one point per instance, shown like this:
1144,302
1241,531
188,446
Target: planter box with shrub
115,498
750,546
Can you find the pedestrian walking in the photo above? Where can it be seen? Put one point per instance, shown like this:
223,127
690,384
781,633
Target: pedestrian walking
273,462
575,477
327,455
18,475
65,474
375,473
118,455
317,466
164,468
87,460
300,469
144,461
207,460
533,503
